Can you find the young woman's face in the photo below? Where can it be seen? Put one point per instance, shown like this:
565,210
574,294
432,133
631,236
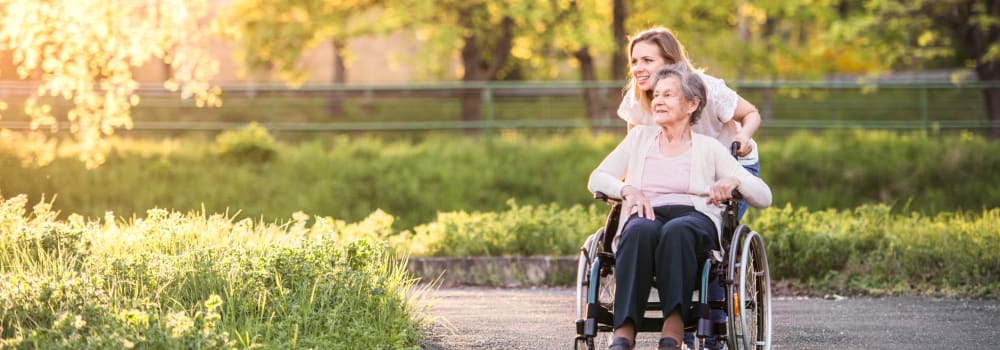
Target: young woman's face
669,104
646,59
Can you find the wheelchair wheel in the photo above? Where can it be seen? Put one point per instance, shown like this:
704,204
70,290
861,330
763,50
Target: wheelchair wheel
604,287
749,304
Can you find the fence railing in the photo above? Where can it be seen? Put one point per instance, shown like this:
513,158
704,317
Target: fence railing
539,105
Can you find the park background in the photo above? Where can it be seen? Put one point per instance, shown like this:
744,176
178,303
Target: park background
185,173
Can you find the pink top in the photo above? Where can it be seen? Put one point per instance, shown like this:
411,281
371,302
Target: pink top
665,180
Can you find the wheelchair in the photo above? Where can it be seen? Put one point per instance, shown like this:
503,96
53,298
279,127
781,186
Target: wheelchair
741,269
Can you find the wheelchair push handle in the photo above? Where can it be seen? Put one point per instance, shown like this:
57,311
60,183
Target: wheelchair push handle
734,149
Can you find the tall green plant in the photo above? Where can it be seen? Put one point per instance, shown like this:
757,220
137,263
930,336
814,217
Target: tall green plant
199,281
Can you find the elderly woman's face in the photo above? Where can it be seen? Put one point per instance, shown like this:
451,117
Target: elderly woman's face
669,104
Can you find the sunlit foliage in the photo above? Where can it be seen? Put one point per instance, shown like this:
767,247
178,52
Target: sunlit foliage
84,51
276,34
771,39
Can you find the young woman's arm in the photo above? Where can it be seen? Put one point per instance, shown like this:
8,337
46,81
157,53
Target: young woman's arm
749,118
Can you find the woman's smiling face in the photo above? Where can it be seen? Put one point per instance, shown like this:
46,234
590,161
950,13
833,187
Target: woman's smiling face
646,59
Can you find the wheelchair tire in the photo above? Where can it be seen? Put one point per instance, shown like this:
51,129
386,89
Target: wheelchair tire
605,287
749,297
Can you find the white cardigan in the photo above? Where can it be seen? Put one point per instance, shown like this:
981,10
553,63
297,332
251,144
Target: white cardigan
709,161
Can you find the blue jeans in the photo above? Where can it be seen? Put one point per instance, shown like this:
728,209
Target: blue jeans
715,290
755,170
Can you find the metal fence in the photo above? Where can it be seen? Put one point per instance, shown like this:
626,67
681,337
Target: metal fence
533,105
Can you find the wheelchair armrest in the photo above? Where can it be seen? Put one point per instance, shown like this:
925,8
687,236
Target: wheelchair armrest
605,198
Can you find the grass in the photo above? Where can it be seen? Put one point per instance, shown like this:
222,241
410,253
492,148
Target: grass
197,281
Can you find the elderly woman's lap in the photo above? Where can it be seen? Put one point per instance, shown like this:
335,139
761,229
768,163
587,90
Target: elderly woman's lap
668,248
669,218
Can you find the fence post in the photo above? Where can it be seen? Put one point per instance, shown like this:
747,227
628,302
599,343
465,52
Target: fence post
488,110
923,109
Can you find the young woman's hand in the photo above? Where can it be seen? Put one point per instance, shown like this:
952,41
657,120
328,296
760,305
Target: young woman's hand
633,199
745,145
722,190
739,135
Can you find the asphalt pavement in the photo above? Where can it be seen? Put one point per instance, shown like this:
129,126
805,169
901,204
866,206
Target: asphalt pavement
543,318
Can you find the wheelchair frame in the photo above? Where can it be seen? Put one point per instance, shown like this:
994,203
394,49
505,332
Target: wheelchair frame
741,268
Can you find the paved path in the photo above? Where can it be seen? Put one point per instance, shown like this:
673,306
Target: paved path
485,318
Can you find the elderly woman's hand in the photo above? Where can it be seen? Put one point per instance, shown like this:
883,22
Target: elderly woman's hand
722,190
633,199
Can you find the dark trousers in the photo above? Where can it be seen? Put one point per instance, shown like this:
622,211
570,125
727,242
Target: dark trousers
671,248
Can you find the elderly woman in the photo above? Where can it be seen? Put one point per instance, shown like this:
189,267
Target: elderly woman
675,182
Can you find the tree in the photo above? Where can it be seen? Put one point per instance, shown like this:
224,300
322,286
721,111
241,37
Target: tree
766,39
741,39
83,51
480,34
570,29
918,33
485,35
618,59
589,38
276,34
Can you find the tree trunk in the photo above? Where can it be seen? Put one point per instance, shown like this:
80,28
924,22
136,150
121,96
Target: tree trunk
591,97
470,100
988,72
339,67
618,60
335,101
477,69
992,97
766,104
843,8
980,40
742,23
619,56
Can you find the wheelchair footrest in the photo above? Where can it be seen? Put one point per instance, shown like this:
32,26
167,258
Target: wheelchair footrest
600,314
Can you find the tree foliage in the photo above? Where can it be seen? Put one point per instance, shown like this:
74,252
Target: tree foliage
770,39
915,34
276,34
84,51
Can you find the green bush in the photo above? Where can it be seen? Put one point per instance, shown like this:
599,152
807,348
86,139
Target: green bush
911,171
416,178
250,144
871,248
520,230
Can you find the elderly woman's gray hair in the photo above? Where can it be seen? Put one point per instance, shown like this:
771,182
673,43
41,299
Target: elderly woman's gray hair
692,86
